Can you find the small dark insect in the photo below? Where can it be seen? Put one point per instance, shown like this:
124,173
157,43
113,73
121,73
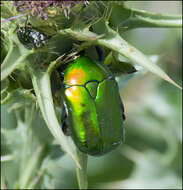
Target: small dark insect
31,38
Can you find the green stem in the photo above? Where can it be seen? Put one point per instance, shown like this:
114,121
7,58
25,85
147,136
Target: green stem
28,170
7,158
54,64
29,115
4,183
82,173
35,180
6,99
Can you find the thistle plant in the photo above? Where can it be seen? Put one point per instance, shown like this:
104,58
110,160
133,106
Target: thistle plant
29,75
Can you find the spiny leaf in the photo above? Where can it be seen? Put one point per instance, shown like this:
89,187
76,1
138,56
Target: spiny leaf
118,67
41,84
115,42
15,57
134,18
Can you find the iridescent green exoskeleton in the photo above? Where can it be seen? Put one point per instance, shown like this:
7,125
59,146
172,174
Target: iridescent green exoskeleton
93,107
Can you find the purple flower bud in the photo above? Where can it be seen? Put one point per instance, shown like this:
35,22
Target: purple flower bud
38,8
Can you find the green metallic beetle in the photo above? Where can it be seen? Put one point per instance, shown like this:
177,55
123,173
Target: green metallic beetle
94,112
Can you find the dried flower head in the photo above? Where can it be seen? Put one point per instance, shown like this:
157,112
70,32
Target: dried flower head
39,9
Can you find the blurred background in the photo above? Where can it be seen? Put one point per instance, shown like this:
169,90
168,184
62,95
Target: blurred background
151,155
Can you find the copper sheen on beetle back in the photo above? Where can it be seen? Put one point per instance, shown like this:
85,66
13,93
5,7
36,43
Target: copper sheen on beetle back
93,107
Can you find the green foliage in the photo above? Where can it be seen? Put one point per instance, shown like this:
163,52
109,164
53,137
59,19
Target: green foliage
34,146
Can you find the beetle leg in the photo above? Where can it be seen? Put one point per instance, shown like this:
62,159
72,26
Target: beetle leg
123,115
123,110
100,53
56,88
64,124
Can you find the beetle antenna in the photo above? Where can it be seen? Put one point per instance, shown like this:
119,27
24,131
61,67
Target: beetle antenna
26,21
